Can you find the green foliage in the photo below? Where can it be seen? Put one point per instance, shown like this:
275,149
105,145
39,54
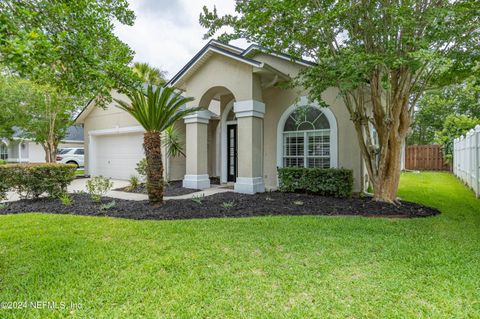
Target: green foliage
33,180
134,182
454,127
156,109
108,205
142,168
174,142
228,205
70,45
3,162
41,112
65,199
436,106
326,182
380,55
351,39
149,75
266,267
198,199
98,187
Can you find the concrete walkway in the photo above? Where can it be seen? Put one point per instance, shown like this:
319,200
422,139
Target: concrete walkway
79,185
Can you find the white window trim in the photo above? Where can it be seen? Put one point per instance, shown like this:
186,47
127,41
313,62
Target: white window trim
333,130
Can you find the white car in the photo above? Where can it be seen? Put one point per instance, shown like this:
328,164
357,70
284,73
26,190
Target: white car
73,156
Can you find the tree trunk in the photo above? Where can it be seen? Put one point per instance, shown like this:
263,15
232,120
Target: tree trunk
50,151
388,177
153,153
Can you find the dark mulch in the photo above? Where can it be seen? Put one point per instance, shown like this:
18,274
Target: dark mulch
225,205
172,189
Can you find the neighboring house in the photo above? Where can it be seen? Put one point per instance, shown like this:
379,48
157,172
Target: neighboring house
21,150
248,128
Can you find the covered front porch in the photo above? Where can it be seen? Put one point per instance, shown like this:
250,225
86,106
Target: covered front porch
225,140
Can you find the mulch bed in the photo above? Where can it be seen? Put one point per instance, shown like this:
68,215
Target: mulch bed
224,205
172,189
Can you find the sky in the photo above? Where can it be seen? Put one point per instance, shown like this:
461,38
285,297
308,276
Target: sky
167,33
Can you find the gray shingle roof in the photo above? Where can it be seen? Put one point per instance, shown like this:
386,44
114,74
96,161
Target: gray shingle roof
74,133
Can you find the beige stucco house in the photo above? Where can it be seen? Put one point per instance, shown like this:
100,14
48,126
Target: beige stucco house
248,128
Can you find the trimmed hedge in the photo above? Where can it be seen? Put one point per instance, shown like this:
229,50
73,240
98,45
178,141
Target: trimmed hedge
33,180
327,182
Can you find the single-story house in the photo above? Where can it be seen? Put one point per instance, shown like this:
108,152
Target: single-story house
248,127
21,150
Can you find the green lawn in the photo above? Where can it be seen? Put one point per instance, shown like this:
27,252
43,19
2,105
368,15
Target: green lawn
275,267
80,171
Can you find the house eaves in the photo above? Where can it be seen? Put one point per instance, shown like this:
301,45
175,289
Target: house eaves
203,55
254,48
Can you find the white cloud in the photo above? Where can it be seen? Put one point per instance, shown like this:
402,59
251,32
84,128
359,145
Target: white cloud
167,33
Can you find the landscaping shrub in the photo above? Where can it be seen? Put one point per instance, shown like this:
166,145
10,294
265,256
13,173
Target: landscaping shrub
3,162
98,187
33,180
134,183
326,182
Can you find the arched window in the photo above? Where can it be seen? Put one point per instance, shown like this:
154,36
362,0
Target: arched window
306,139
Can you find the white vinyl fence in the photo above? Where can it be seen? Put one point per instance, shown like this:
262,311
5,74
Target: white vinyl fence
466,159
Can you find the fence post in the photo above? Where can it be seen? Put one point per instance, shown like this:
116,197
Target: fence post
476,151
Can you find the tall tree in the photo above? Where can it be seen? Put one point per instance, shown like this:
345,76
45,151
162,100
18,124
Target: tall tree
381,55
41,112
156,110
454,127
149,74
69,45
435,106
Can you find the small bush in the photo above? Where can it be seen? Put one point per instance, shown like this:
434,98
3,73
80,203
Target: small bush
33,180
65,199
134,183
108,206
98,187
3,162
198,198
228,205
326,182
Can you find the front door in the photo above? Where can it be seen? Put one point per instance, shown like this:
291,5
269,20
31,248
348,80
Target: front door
232,158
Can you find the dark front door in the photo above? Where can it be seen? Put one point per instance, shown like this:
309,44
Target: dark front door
232,158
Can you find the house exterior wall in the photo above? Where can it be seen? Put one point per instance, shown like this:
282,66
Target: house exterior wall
36,153
108,118
214,76
220,71
278,100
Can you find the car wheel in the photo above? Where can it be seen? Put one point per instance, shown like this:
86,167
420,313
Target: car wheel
73,163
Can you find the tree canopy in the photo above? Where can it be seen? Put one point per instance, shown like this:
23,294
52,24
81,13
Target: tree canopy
39,112
66,44
435,106
381,56
149,74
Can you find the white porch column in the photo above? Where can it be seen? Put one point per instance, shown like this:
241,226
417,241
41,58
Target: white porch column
197,150
250,146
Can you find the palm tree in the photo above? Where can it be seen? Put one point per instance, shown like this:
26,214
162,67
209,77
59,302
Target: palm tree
157,111
149,74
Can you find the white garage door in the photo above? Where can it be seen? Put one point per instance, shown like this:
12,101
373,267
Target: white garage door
116,156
